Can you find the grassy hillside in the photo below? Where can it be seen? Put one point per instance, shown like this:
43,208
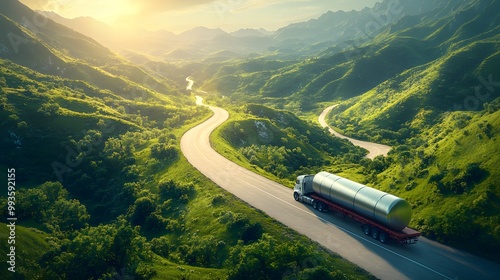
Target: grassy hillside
30,245
280,145
127,203
428,86
340,73
40,44
102,189
442,118
48,114
449,174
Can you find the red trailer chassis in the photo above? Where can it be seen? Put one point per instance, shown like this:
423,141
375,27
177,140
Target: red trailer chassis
369,227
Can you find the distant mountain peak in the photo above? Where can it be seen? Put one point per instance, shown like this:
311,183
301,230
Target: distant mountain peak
250,32
201,33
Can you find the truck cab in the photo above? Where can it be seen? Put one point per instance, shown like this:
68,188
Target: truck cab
303,186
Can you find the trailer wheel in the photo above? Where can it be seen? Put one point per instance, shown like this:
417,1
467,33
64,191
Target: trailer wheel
366,229
296,196
382,237
321,207
374,233
315,204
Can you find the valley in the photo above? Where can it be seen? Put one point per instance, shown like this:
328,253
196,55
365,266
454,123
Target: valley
374,149
426,259
146,154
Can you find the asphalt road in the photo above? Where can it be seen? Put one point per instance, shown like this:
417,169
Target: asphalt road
374,149
424,260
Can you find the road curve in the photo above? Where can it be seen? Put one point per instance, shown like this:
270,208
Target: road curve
374,149
190,83
425,260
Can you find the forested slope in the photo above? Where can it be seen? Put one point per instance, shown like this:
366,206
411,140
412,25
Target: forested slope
428,85
102,190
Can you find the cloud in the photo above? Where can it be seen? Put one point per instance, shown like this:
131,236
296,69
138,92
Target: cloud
37,4
156,6
178,15
57,6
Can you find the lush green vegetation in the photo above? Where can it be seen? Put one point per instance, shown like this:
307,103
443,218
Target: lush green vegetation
442,118
280,144
429,88
449,174
102,190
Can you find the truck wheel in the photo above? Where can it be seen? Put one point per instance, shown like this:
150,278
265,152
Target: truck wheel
296,196
315,204
382,237
321,207
374,233
366,229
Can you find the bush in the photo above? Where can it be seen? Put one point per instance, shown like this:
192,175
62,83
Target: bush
161,246
49,204
176,191
49,109
204,251
453,227
164,151
142,209
267,259
98,253
464,180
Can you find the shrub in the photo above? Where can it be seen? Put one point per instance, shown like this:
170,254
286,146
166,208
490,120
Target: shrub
164,151
176,191
49,109
142,209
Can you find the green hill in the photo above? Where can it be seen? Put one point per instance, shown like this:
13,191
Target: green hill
30,245
281,144
449,174
340,73
102,190
40,44
428,86
442,118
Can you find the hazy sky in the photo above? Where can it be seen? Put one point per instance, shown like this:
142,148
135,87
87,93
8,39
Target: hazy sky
181,15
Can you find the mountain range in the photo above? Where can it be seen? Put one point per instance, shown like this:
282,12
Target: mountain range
426,84
302,38
92,117
101,188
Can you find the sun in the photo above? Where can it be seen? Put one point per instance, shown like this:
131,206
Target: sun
110,11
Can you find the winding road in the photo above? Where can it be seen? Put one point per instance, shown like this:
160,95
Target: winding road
190,83
425,260
374,149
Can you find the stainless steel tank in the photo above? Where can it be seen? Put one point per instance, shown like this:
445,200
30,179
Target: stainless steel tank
385,208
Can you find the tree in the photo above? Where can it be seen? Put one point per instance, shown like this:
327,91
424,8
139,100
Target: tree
171,189
98,253
267,259
33,204
164,151
54,191
142,208
69,215
49,109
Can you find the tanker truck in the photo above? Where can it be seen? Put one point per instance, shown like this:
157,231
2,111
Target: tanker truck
382,216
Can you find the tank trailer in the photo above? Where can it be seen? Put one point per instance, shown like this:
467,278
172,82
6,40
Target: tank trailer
383,216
